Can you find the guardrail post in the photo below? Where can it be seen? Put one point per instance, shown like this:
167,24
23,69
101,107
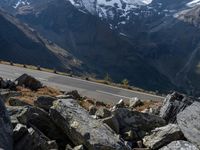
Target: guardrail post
38,67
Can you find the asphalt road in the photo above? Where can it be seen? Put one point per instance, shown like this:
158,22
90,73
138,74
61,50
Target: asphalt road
100,92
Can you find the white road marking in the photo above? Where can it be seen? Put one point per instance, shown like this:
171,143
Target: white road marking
17,74
108,93
42,79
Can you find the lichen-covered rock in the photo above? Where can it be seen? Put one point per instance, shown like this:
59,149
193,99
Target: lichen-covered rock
163,136
136,120
6,131
189,123
173,104
81,128
179,145
29,82
44,102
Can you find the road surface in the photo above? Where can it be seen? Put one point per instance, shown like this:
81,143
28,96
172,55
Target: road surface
100,92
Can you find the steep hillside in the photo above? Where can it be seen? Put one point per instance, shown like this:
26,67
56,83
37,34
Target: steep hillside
21,44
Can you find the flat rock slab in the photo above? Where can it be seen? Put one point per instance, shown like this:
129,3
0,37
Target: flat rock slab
180,145
81,128
129,119
189,123
163,136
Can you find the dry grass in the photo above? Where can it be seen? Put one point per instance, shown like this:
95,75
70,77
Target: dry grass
29,96
89,102
149,104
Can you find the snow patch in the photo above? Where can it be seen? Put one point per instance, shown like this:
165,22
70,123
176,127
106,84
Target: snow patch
193,3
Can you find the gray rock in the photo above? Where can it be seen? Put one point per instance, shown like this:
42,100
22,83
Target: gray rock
13,112
7,84
64,96
14,101
44,102
6,94
112,122
163,136
2,83
74,94
180,145
80,147
35,140
134,102
189,123
173,104
29,82
103,112
81,128
130,135
19,131
35,117
120,104
136,120
6,131
92,110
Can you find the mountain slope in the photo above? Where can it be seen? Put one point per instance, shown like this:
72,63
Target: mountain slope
93,42
21,44
143,41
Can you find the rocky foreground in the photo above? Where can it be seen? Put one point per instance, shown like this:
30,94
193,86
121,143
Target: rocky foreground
32,118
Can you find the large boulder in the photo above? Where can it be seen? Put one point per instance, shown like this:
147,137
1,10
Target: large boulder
6,141
81,128
129,120
40,119
34,140
180,145
163,136
173,104
189,123
44,102
29,82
